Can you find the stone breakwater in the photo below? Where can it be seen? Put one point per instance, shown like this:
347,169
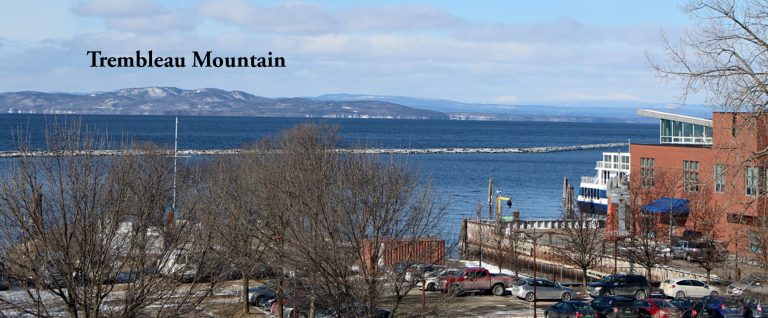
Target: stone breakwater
13,154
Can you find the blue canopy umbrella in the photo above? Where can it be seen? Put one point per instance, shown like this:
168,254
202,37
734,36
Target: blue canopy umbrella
678,207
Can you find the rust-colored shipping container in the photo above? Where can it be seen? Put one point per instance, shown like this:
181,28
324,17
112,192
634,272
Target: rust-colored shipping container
387,253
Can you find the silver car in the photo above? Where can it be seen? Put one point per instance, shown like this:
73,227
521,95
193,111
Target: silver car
545,289
433,279
751,282
261,296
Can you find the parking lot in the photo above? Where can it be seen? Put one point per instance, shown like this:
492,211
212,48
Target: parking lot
471,305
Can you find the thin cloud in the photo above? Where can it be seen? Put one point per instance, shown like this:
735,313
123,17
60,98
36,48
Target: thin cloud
117,8
307,18
141,16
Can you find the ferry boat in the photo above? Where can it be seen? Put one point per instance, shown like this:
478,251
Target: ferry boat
593,191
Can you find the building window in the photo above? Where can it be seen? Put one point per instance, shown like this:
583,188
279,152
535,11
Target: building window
676,132
719,178
735,218
624,162
753,181
691,176
647,172
755,242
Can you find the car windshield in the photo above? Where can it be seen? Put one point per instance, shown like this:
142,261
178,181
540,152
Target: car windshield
609,279
731,303
751,278
662,304
684,303
521,282
449,273
580,306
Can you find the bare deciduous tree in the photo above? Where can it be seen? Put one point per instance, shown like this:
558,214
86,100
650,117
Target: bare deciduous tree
76,226
704,222
337,210
650,231
582,242
235,217
726,58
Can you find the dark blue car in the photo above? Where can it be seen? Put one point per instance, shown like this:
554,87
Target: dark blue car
570,308
614,307
754,305
723,306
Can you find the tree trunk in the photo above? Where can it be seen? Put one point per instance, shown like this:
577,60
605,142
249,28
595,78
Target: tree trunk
311,303
246,297
279,298
708,276
648,272
584,279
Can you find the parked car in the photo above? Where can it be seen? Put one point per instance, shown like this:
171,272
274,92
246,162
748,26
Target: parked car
614,307
299,308
747,283
754,305
684,287
261,296
656,308
683,249
416,272
692,308
627,285
477,279
686,305
545,289
355,310
568,309
722,306
432,280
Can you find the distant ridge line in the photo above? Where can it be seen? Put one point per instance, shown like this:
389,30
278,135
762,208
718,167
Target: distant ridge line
455,150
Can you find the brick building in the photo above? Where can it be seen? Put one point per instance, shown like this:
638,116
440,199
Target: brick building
712,165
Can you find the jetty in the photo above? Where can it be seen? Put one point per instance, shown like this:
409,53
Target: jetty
237,151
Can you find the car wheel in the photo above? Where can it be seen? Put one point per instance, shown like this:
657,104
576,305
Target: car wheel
259,300
530,297
565,297
713,293
431,287
606,292
680,294
498,290
640,294
453,290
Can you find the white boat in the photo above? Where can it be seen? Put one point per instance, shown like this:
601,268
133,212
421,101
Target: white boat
593,196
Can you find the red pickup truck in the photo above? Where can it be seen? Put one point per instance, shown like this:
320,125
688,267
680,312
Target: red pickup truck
476,279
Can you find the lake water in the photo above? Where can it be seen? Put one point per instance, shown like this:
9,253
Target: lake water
532,180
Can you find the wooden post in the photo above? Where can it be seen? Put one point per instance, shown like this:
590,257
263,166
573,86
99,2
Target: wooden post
423,297
490,197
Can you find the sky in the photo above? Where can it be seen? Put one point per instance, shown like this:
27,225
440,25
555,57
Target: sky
491,51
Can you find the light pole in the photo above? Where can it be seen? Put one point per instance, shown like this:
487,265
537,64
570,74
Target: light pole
534,237
480,234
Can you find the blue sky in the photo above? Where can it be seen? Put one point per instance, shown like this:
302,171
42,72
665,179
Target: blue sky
514,52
